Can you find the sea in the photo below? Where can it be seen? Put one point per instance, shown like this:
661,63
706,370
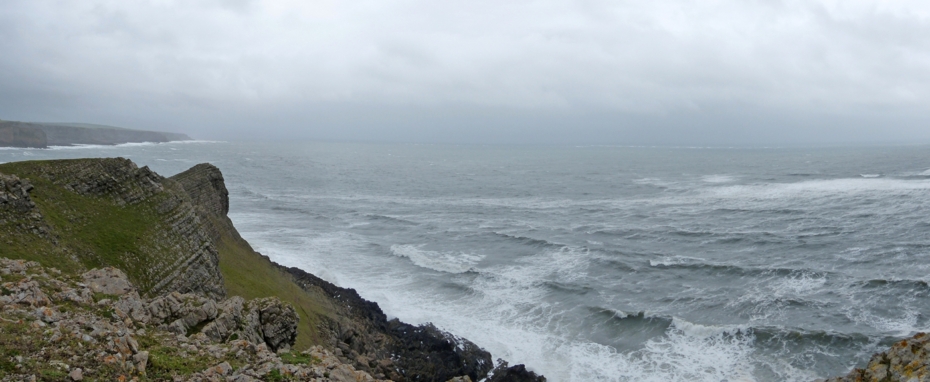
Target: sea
599,263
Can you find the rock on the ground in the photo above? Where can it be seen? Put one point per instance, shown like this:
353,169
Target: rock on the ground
109,281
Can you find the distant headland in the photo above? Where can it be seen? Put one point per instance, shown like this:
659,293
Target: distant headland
43,135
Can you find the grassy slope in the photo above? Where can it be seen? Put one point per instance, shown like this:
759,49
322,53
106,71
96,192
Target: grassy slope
91,231
95,232
251,275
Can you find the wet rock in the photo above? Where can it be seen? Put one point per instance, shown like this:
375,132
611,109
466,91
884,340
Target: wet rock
428,353
516,373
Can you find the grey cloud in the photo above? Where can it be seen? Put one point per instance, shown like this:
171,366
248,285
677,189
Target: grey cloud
724,72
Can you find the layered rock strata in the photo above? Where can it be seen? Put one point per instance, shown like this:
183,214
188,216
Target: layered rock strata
168,235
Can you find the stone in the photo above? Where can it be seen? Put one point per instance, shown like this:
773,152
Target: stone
48,314
142,360
76,374
278,323
516,373
109,280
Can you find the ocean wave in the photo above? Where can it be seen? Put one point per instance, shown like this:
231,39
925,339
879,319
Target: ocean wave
441,261
390,219
533,242
819,188
718,178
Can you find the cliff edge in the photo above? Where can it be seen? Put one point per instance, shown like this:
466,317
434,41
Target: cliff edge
172,239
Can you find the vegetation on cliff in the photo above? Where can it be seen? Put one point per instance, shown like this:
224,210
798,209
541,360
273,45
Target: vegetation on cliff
171,237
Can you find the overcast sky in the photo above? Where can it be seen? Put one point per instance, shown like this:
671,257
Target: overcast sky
756,72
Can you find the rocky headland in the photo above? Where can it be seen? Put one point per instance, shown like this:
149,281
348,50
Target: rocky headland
42,135
109,271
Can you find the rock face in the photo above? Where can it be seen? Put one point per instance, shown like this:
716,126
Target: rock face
14,195
906,361
18,134
174,253
206,187
400,351
166,277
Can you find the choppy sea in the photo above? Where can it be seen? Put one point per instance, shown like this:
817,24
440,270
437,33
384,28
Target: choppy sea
599,263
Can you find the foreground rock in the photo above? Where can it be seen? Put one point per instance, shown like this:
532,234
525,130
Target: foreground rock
906,361
55,327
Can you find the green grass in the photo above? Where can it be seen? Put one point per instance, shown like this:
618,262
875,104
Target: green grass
166,362
300,358
89,232
250,276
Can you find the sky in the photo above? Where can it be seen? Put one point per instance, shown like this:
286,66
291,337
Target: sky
659,72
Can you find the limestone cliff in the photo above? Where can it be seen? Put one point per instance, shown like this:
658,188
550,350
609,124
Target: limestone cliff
18,134
99,212
42,135
172,238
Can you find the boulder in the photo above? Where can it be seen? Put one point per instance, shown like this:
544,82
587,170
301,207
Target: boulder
278,322
109,280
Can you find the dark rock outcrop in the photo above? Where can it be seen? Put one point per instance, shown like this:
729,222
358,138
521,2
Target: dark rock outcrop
19,134
400,351
516,373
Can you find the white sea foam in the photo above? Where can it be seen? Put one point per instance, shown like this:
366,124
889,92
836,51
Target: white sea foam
442,261
717,178
870,175
819,188
667,261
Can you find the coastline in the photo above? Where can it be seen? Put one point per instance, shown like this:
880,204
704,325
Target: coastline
71,214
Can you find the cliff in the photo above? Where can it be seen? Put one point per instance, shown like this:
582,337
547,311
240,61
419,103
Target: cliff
41,135
18,134
182,255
